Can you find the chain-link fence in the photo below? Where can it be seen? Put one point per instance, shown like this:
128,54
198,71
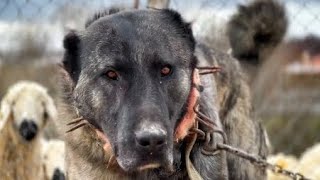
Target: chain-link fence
49,19
31,33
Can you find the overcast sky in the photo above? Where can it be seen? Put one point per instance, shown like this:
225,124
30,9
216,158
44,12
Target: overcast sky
304,16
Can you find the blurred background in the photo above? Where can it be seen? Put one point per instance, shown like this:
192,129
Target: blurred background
286,92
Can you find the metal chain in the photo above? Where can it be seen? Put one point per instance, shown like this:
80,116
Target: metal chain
211,147
257,160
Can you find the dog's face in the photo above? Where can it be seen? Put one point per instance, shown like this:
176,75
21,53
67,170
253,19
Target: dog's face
132,77
29,107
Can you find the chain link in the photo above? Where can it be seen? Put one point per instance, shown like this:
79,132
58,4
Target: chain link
257,160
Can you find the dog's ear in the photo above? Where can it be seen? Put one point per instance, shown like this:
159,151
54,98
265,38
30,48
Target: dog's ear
71,65
50,111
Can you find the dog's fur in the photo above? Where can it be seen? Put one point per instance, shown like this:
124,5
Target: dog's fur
140,42
20,158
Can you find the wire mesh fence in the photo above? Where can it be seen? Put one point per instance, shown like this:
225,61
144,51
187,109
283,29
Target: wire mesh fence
289,104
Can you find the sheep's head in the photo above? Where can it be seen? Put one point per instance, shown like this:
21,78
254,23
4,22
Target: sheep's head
28,106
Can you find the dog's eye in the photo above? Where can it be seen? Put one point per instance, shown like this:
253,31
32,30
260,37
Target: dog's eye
112,75
166,70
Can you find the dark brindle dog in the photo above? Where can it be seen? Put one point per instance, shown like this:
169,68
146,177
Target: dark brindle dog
130,78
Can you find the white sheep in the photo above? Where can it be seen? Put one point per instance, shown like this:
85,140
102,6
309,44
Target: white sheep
284,161
53,159
25,109
308,164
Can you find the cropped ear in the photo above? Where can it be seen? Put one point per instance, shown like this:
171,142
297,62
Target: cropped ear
49,107
71,44
5,111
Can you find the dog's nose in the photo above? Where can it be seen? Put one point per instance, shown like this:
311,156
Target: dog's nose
151,139
28,129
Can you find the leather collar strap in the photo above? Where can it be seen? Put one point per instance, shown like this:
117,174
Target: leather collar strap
191,170
189,121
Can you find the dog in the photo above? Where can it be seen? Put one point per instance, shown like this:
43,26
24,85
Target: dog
25,109
129,82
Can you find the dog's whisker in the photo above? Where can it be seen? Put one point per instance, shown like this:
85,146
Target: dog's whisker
76,121
76,127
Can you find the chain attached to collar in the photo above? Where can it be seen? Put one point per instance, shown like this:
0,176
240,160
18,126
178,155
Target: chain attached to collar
211,147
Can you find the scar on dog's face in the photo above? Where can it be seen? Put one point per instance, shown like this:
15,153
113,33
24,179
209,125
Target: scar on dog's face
132,74
29,107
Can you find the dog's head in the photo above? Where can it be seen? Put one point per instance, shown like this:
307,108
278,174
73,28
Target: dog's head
29,107
131,73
